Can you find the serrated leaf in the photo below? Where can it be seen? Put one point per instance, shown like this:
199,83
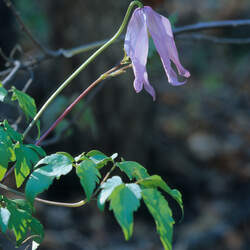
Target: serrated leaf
155,181
133,169
107,189
89,176
27,104
26,157
42,177
135,188
36,229
4,218
3,93
98,158
124,203
162,214
21,223
18,223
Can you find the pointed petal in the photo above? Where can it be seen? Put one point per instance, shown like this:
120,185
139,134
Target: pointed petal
160,29
136,47
148,87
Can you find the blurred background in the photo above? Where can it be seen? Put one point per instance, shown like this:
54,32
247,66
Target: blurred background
196,136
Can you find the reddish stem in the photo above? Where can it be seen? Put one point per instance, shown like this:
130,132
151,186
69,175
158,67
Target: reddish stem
70,107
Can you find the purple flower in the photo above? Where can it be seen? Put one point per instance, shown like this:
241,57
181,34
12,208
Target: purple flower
136,46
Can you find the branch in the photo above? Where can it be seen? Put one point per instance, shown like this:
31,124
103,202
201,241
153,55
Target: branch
67,53
214,39
53,203
12,72
211,25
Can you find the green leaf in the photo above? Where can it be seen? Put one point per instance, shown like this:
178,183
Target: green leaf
38,150
162,214
155,181
42,177
98,158
89,176
27,104
13,134
4,160
135,189
24,205
36,228
4,218
3,93
26,157
107,189
133,169
6,151
70,157
124,203
22,222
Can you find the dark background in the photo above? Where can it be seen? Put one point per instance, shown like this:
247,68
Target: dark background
195,136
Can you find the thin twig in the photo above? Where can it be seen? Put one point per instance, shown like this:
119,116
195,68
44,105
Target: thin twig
48,54
60,204
12,73
53,203
214,39
26,86
211,25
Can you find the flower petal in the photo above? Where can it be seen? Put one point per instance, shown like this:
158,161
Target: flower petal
160,29
136,47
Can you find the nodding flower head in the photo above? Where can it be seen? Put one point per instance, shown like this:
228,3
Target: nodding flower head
146,20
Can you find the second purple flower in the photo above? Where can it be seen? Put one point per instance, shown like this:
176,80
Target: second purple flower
146,20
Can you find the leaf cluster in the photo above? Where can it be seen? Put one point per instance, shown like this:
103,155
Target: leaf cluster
124,198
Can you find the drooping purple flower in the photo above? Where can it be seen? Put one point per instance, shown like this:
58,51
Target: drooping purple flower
146,20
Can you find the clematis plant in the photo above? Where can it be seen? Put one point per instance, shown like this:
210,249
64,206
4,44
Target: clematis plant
146,20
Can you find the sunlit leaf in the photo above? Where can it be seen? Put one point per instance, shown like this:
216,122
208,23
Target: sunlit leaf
4,160
162,214
124,203
26,158
135,188
133,169
42,177
98,158
22,222
89,176
4,218
107,189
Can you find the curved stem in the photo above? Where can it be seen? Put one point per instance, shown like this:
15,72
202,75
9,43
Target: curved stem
83,66
52,203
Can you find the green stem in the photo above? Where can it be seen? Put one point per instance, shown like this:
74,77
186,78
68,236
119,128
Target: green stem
52,203
83,66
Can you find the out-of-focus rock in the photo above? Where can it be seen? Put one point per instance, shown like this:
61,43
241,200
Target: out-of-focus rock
204,146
